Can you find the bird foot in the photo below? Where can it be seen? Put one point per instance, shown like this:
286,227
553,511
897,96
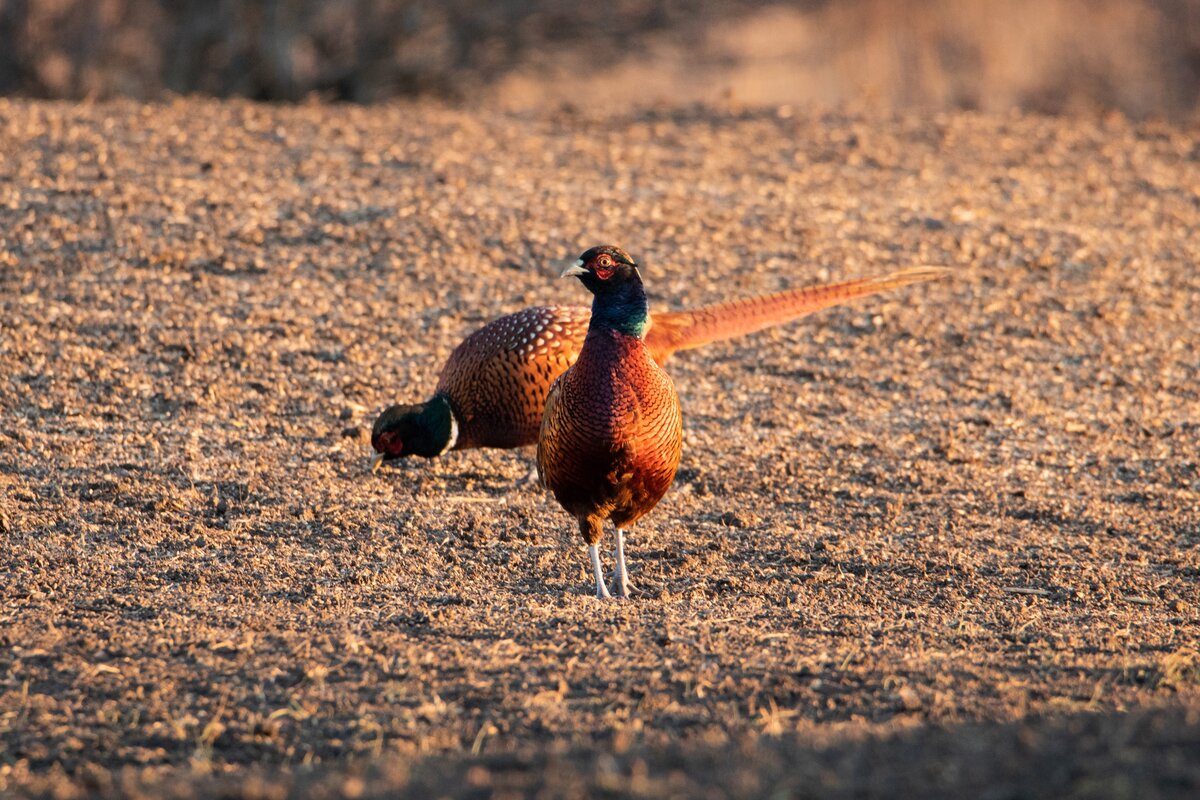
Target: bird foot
602,592
621,586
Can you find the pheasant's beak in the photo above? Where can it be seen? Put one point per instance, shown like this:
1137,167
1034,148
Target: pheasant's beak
574,269
376,460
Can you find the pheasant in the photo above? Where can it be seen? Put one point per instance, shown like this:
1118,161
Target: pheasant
612,433
492,390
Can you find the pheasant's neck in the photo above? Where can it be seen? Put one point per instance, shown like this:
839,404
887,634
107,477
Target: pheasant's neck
624,310
438,429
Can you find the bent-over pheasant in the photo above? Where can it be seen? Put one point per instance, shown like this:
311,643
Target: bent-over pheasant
612,433
492,390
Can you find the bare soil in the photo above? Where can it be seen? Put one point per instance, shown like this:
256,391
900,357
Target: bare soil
943,542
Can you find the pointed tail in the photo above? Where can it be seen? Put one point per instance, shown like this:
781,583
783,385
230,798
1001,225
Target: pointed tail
682,330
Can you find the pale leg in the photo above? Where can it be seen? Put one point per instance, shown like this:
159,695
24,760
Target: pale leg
621,576
601,589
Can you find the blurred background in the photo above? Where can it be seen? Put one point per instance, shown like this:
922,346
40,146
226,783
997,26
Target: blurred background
1141,57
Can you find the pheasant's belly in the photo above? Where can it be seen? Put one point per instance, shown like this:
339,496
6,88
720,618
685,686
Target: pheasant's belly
630,467
612,442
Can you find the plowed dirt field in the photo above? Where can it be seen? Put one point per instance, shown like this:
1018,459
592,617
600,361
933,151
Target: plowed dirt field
941,542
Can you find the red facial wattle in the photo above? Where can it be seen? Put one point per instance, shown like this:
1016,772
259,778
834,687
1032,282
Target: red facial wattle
388,443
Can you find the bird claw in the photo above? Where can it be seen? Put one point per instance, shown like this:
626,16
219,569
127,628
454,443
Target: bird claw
619,592
621,587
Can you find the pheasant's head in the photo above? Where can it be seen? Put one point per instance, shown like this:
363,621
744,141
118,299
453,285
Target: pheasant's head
604,269
424,429
612,276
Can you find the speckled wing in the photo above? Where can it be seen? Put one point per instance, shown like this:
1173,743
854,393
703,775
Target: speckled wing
497,380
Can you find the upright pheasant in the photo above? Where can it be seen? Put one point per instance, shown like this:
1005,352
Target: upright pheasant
612,433
493,388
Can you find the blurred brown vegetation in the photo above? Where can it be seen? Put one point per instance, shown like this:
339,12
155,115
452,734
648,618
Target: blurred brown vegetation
1141,57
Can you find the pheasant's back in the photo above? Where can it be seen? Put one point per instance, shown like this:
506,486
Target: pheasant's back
498,378
612,434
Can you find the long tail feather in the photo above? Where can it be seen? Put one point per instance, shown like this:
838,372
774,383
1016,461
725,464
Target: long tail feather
682,330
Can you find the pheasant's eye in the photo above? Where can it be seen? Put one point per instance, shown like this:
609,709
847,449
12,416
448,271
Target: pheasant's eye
604,267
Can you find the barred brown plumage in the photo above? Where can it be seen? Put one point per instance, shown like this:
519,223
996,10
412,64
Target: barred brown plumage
612,433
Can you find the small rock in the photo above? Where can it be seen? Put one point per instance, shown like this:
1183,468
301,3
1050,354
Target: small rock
736,519
909,698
